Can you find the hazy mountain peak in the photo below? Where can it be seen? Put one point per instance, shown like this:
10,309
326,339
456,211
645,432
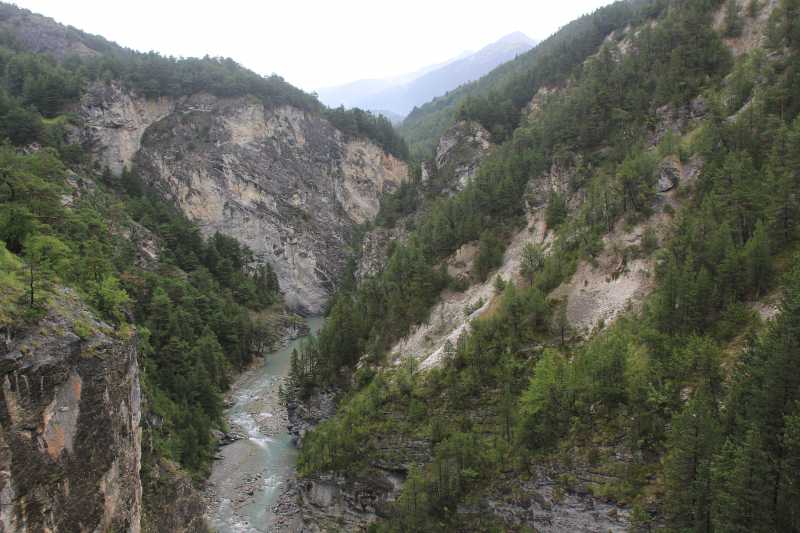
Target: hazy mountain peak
516,37
397,96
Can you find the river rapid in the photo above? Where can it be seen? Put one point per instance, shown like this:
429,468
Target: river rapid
250,473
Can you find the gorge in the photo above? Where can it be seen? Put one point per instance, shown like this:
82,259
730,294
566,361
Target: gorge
562,297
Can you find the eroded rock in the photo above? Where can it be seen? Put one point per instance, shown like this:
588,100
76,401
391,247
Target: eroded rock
69,425
459,153
283,181
668,175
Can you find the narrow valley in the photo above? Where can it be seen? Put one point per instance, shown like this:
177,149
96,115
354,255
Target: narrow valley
562,295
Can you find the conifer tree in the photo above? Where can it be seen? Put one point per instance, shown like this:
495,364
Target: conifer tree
692,441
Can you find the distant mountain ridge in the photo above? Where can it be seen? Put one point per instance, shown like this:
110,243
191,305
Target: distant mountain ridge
398,96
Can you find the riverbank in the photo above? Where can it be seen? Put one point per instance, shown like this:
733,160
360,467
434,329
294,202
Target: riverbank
252,470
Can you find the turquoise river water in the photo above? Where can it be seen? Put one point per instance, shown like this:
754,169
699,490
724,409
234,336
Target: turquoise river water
246,481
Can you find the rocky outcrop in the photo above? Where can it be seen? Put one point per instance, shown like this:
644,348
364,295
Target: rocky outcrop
305,415
459,153
559,179
283,181
669,173
677,121
458,156
114,120
70,439
544,503
329,502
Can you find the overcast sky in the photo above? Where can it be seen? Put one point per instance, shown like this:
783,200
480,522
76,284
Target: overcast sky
318,43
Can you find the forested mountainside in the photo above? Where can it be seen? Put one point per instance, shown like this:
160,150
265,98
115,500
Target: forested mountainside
600,331
511,86
128,298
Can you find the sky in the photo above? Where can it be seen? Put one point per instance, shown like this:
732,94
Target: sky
315,44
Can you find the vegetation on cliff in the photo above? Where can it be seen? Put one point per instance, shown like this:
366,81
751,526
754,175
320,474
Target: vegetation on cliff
196,302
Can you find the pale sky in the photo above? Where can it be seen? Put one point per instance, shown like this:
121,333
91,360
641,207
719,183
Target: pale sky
315,43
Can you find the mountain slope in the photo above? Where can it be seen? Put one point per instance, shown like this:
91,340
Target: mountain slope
600,361
512,85
401,96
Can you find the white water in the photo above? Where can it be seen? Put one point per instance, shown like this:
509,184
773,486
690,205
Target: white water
260,462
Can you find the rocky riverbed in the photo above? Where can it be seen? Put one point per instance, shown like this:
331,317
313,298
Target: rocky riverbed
257,456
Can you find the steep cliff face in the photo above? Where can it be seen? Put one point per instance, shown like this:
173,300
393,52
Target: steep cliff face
114,121
69,425
283,181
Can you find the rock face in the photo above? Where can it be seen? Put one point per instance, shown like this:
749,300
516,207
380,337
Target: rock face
114,121
669,174
304,416
327,502
330,503
283,181
460,151
538,503
69,425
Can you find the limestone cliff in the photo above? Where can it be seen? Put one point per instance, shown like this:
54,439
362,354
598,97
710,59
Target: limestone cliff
69,425
114,121
283,181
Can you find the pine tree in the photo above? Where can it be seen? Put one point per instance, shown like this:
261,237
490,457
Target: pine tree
755,481
160,317
532,261
757,260
692,441
46,256
738,474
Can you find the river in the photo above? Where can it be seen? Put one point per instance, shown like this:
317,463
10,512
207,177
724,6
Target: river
250,474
